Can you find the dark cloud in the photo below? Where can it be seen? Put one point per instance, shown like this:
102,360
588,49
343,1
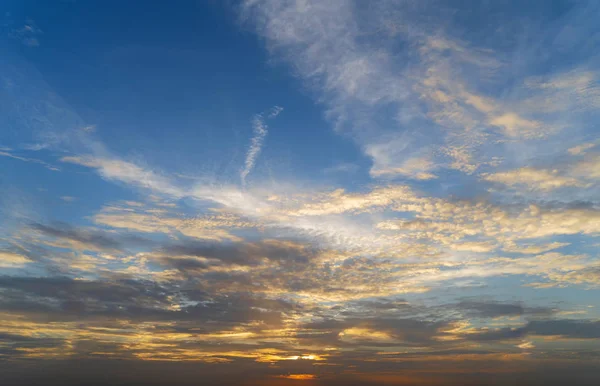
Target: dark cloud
583,329
499,334
490,309
63,231
185,265
407,331
68,299
13,344
579,329
381,304
96,239
5,337
65,288
237,253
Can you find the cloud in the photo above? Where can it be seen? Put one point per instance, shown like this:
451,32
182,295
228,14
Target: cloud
440,227
7,153
379,331
499,334
241,254
27,34
577,90
341,168
481,246
64,236
12,260
127,172
160,220
339,201
533,248
440,102
535,179
260,132
492,309
579,173
515,126
582,329
386,162
320,41
95,308
275,111
588,168
288,272
581,149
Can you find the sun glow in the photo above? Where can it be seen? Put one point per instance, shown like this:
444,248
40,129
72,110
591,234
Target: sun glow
299,377
309,357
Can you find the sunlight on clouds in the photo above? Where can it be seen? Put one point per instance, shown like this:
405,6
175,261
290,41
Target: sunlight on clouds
115,169
298,377
163,221
11,260
339,201
416,168
456,226
581,149
533,178
515,126
533,249
364,334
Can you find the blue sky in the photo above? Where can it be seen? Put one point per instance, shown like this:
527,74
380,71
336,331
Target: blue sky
302,190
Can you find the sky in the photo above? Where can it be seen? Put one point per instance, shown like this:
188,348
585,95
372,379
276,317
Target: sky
299,192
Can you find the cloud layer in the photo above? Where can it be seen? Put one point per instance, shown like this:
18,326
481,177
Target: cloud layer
458,246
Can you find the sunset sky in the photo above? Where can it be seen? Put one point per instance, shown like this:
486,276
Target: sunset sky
299,192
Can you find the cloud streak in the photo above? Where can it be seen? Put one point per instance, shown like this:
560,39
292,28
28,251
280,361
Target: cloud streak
260,131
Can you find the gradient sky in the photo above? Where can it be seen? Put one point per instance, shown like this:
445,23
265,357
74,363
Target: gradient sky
277,192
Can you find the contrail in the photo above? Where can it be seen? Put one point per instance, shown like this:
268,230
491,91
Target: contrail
256,144
274,112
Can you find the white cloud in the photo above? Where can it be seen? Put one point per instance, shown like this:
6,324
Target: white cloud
127,172
574,90
473,246
394,158
260,130
582,173
7,153
581,149
429,105
339,201
516,126
588,168
533,249
160,220
536,179
344,167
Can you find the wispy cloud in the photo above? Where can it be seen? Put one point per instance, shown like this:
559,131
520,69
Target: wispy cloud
9,154
260,131
428,107
290,273
27,34
116,169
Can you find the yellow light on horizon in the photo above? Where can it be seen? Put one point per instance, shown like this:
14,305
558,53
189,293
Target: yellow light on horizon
298,377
